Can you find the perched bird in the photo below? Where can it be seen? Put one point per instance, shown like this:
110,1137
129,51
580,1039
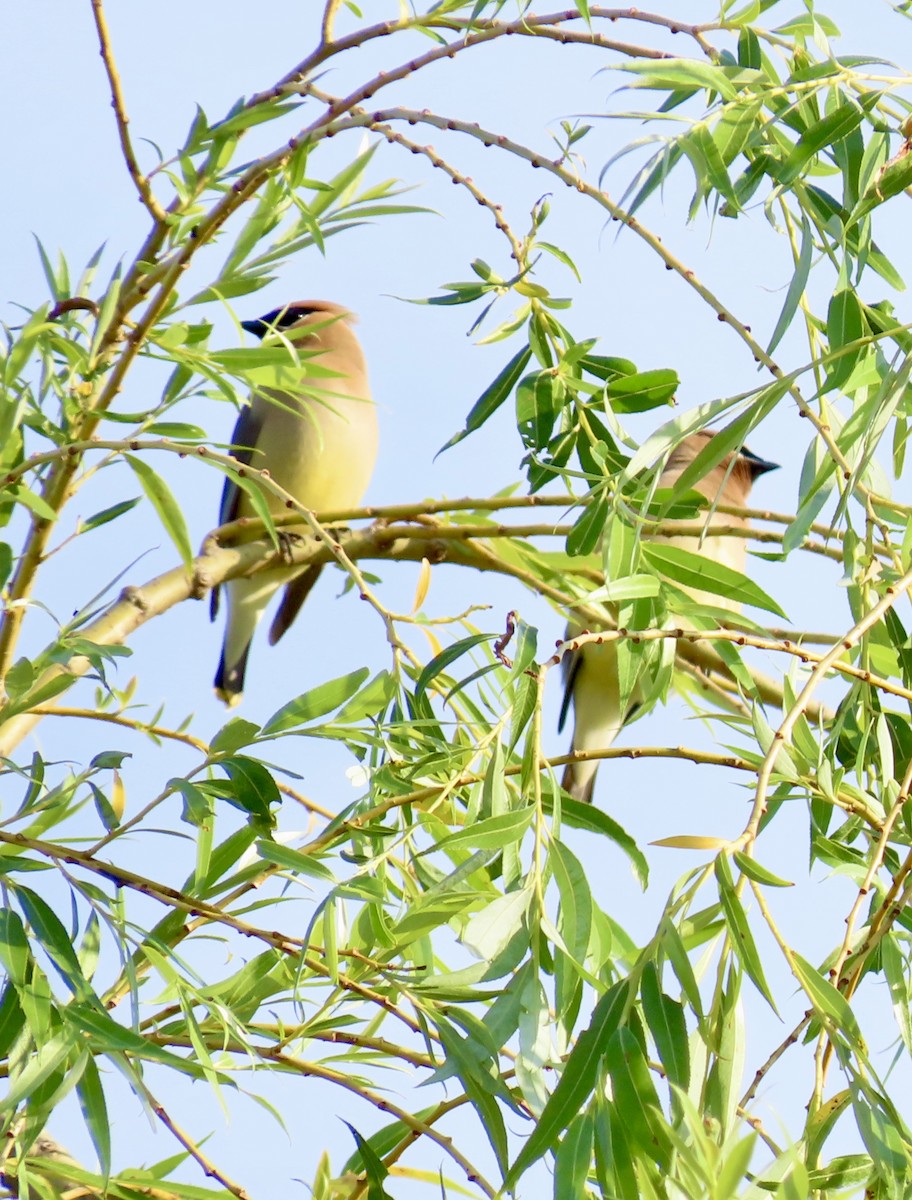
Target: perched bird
318,439
591,673
50,1153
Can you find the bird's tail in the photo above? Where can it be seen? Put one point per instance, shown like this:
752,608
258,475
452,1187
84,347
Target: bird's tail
229,679
247,598
579,780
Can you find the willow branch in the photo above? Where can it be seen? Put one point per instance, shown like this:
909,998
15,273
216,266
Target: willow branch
329,17
464,546
826,663
358,118
120,114
830,661
165,734
202,1160
289,1063
486,29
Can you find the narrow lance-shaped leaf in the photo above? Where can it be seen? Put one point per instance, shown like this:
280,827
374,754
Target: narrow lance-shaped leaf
837,124
702,573
845,325
316,703
576,1083
828,1001
575,901
538,398
636,1098
56,942
374,1170
95,1113
162,500
796,287
665,1018
707,162
642,391
595,820
742,939
491,833
492,397
481,1089
574,1157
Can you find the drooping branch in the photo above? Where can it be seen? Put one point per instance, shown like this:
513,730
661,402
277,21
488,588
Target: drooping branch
379,120
481,28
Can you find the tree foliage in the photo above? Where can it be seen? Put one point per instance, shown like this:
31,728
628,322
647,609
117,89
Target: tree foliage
450,930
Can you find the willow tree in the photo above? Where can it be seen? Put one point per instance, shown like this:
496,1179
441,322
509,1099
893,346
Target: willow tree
448,929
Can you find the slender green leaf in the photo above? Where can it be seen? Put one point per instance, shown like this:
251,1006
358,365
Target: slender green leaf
828,1001
643,391
577,1081
705,574
95,1113
372,1166
575,901
742,939
831,128
491,834
845,325
753,870
492,397
796,287
317,702
665,1018
635,1097
170,515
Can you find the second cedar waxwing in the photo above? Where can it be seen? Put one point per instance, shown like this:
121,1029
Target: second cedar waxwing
318,440
50,1152
591,674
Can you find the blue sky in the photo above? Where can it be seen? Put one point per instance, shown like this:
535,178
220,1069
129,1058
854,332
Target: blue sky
66,184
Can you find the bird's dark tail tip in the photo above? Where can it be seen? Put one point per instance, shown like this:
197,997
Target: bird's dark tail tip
229,681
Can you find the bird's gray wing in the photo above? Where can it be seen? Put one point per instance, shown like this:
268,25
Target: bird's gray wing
243,442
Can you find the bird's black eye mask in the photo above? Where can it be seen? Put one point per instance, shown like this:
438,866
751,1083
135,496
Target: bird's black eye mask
279,318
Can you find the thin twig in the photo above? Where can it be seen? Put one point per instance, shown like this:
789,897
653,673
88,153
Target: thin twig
485,29
208,1166
120,113
771,1061
359,118
738,638
824,664
160,731
329,20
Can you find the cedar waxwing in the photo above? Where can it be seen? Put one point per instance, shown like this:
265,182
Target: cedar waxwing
591,677
47,1148
318,440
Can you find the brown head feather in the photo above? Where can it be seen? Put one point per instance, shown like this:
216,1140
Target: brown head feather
733,476
290,315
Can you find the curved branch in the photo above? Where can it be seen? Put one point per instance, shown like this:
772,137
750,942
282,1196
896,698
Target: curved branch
359,118
529,25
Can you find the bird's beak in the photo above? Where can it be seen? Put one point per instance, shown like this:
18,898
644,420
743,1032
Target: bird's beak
758,466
